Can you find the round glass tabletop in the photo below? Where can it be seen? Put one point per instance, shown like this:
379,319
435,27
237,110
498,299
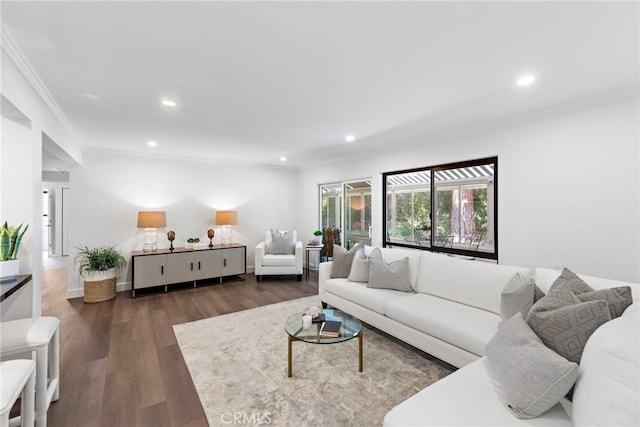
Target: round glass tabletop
349,328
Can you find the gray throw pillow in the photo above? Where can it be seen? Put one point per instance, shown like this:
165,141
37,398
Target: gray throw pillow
570,281
518,295
342,260
532,377
390,276
564,324
618,299
282,243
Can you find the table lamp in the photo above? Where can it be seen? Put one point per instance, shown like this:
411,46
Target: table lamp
150,221
226,219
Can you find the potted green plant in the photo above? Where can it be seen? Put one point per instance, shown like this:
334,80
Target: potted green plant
318,237
10,239
99,267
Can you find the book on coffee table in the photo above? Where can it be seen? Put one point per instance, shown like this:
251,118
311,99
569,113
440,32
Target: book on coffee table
330,328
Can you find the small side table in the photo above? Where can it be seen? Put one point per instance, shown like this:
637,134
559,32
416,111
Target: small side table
308,249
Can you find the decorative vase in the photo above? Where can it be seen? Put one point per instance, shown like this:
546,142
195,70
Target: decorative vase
9,270
99,285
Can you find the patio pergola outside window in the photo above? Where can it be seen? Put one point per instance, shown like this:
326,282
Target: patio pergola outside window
354,212
460,218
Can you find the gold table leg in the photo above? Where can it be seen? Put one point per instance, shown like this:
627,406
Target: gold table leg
360,350
289,358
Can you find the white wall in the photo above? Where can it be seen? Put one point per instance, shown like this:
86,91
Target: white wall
110,188
21,162
569,185
18,204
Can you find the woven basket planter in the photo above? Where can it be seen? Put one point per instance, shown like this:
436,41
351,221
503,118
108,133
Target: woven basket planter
100,285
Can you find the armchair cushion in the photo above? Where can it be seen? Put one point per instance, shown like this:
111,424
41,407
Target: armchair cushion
271,260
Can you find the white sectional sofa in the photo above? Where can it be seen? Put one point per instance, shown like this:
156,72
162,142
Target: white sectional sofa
452,313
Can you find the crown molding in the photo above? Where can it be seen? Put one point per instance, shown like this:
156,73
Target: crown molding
10,47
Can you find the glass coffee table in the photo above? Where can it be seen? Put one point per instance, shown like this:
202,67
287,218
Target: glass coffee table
351,328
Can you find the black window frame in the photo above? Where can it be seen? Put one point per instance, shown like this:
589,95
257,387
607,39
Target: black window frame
386,242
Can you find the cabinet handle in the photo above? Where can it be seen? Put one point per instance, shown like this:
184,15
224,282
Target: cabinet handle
191,266
199,268
162,269
225,262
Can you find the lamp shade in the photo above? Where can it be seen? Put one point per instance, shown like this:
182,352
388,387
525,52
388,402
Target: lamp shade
226,218
152,219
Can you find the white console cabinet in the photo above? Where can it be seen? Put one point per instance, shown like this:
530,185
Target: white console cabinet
165,267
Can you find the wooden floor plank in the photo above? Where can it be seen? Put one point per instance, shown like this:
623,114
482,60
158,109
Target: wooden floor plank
119,361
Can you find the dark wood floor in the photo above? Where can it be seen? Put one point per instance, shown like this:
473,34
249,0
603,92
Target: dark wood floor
120,364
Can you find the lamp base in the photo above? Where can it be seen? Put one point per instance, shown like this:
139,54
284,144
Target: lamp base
227,233
150,240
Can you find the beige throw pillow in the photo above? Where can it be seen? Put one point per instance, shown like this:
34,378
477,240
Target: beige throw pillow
342,260
570,281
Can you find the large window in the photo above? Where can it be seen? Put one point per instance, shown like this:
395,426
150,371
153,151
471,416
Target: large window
460,218
355,214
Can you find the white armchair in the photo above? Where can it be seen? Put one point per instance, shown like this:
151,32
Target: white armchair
270,259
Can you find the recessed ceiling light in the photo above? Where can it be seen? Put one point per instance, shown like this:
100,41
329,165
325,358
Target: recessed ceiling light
169,103
349,138
283,159
526,80
152,143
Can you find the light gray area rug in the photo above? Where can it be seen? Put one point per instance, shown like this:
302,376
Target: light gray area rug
238,363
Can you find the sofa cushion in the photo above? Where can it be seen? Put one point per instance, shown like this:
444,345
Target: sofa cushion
607,390
458,324
565,324
278,260
533,378
474,283
359,293
618,298
466,397
519,294
394,275
282,243
342,259
570,281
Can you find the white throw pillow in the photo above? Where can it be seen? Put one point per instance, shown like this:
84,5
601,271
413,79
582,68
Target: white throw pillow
518,295
607,390
360,266
359,270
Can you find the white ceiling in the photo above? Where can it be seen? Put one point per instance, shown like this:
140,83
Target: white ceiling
258,80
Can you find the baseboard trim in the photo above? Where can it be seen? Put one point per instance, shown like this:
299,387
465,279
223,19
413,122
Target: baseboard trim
79,292
120,287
